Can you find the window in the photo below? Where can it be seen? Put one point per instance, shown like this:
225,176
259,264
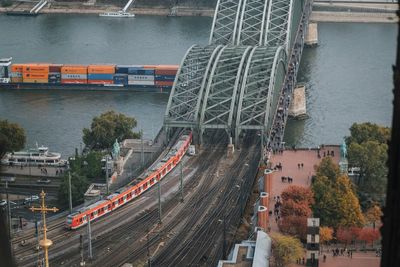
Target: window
313,238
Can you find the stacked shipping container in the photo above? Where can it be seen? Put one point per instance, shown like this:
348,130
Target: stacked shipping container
165,75
55,73
35,73
133,75
101,74
74,74
16,73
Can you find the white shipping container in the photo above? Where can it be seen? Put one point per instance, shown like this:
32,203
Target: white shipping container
74,76
140,77
130,82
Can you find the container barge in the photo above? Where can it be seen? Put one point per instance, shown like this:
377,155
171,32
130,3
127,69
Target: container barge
106,77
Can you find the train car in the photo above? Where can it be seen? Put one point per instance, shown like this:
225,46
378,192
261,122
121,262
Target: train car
118,199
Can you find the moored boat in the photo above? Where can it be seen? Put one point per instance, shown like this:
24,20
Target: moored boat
34,157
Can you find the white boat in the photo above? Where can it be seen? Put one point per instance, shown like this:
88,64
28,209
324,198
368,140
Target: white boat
34,157
119,14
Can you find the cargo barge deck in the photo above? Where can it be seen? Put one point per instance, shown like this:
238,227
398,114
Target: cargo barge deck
95,77
83,87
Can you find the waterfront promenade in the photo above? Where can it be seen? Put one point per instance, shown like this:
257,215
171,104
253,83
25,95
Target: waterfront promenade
301,176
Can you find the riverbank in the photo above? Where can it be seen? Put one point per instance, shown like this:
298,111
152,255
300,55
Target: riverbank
357,17
79,8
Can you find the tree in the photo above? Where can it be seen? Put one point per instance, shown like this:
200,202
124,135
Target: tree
364,132
79,186
368,235
335,201
371,158
344,235
294,226
88,165
348,206
367,149
295,209
328,169
373,215
298,194
325,234
108,127
325,206
12,137
286,249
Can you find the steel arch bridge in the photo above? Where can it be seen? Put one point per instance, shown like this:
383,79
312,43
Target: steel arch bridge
237,81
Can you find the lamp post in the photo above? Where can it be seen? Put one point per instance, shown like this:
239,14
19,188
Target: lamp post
69,188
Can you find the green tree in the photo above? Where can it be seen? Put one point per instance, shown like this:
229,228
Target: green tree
364,132
367,149
12,137
371,158
88,165
328,169
79,186
286,249
325,201
108,127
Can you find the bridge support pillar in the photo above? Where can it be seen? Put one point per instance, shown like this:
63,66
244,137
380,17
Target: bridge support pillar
311,35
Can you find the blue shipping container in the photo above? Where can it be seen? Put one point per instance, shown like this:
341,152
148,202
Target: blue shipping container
165,77
140,71
123,69
100,76
121,79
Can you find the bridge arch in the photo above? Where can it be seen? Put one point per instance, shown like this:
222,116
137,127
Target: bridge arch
221,89
259,88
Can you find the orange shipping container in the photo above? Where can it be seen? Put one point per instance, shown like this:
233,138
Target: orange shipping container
74,69
42,68
167,67
74,81
27,80
100,82
151,67
164,83
17,67
101,69
34,75
16,79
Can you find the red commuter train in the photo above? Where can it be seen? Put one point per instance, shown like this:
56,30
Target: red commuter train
114,201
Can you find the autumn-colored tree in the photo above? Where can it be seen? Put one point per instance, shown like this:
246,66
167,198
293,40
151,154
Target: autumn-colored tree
335,201
286,249
325,234
292,208
348,206
294,226
369,235
344,235
295,209
328,169
373,215
298,194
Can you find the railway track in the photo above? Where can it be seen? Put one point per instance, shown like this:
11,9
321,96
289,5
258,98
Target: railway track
200,242
188,231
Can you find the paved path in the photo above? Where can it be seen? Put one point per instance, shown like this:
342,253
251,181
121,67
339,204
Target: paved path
301,176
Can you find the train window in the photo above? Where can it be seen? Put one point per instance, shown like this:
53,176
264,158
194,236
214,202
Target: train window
125,198
115,203
80,219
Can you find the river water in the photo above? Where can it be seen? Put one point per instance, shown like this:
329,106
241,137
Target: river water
348,75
